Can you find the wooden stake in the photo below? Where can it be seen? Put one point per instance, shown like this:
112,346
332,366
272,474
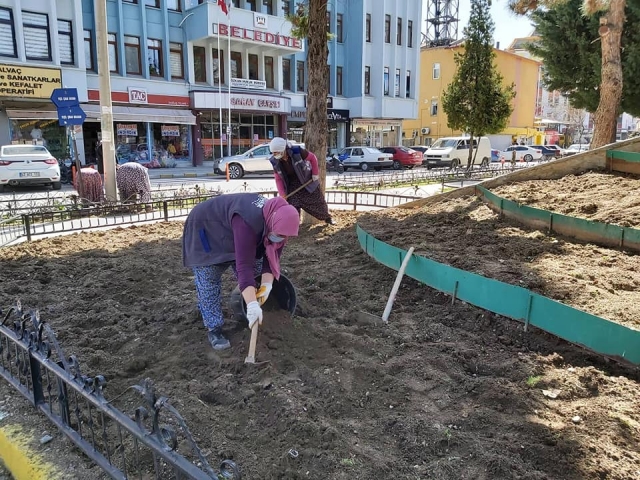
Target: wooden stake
396,286
251,356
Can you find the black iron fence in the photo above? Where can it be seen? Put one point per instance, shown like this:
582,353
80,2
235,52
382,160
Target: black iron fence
153,441
77,217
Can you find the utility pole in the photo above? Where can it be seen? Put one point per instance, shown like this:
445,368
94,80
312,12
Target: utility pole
106,114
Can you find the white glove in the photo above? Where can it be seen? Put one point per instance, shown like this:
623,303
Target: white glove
263,293
254,314
315,178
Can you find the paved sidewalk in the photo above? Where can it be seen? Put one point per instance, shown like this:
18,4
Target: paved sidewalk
184,171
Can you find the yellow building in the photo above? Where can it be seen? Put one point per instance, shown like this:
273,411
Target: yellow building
437,69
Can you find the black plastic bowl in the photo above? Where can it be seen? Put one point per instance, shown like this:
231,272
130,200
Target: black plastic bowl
282,297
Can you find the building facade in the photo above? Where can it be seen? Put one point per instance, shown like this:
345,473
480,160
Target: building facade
437,71
190,83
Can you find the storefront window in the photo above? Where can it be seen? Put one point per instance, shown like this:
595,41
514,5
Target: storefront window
171,142
247,131
131,142
41,132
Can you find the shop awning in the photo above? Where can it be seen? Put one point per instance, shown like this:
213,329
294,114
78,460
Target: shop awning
120,114
142,114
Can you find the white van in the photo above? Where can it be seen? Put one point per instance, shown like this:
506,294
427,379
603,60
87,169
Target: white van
453,152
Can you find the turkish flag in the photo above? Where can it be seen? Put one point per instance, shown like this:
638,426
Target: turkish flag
223,5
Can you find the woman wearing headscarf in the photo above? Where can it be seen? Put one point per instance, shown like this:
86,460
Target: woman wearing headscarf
245,231
294,167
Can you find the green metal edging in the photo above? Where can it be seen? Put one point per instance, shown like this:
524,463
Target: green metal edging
633,157
579,228
592,332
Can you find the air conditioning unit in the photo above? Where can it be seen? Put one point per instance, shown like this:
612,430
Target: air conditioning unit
425,130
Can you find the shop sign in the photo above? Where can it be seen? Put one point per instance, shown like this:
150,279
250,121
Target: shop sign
298,114
127,130
253,103
338,115
257,36
138,95
260,20
248,83
170,130
28,82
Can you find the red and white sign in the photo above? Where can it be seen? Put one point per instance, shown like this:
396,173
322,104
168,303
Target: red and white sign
170,130
127,130
257,36
152,99
138,95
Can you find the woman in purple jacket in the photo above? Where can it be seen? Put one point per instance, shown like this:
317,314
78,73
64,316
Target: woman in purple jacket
245,231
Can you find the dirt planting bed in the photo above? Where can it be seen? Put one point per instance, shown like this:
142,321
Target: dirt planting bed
602,197
443,392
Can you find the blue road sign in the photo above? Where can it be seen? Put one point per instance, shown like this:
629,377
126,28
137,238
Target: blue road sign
65,97
71,116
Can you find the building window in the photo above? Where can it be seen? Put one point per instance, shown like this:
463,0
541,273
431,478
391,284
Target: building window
130,1
367,80
218,66
152,3
339,27
176,61
253,66
286,7
268,6
397,84
113,52
328,21
408,93
387,29
286,74
236,65
8,46
173,5
252,6
300,75
268,71
65,42
132,55
399,32
339,81
367,28
434,108
199,64
36,36
410,33
386,80
436,71
88,50
154,56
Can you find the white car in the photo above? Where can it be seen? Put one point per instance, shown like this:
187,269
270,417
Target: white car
523,152
577,148
365,158
254,160
28,165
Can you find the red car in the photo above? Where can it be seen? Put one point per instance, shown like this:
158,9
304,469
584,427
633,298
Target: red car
403,157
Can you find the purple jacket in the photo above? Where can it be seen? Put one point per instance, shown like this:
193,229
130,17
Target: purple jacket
208,234
301,167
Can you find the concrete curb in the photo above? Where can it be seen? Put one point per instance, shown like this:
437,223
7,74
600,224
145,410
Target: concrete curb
184,175
19,458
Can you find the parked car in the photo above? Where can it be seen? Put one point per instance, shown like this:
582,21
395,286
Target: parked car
403,157
550,151
28,165
254,160
523,152
422,149
365,158
577,148
453,152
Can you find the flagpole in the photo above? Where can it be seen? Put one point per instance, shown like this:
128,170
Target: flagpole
220,91
229,63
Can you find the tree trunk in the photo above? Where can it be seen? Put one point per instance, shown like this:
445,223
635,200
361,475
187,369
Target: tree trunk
315,135
606,116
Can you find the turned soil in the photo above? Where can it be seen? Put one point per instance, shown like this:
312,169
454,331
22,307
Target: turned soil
443,392
602,197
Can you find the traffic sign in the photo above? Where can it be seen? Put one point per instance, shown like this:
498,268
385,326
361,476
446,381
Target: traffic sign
65,97
71,116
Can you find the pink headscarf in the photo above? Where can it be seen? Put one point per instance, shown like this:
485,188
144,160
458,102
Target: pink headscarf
282,219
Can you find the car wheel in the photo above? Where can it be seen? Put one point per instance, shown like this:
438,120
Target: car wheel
56,185
485,163
377,169
344,169
235,171
2,187
455,164
397,165
528,158
364,167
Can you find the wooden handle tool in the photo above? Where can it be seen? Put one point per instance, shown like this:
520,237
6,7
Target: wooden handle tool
251,356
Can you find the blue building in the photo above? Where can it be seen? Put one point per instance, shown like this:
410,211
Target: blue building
190,83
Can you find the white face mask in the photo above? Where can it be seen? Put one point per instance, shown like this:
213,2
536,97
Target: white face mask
278,155
275,238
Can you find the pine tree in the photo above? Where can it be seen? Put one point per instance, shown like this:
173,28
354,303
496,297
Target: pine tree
476,101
